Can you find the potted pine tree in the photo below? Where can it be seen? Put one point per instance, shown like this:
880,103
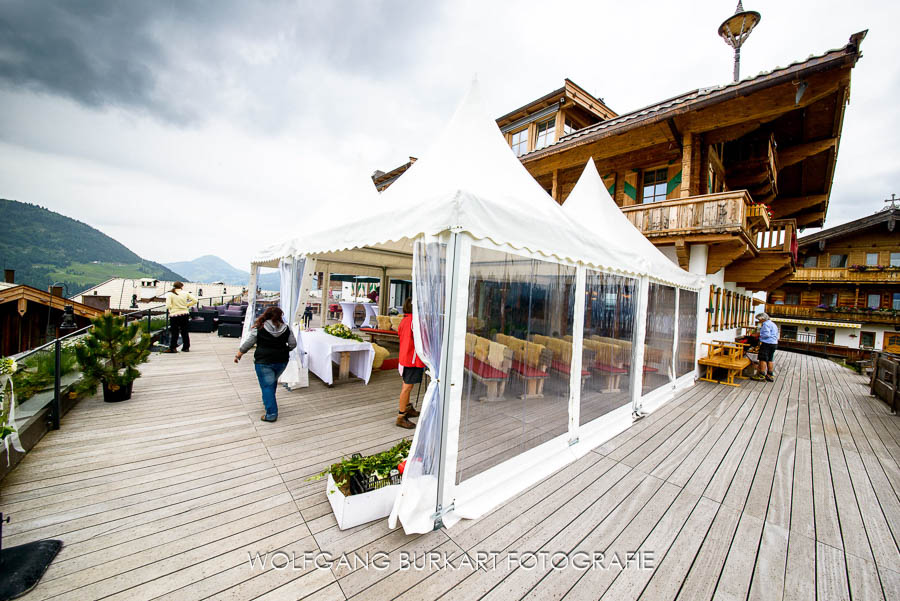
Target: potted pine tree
109,355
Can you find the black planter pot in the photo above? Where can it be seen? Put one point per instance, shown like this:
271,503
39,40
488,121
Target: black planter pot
115,396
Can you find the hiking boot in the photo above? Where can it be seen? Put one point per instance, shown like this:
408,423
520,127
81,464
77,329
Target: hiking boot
770,379
403,422
170,350
411,411
758,377
266,418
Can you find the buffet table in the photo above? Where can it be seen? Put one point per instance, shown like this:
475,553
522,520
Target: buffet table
351,356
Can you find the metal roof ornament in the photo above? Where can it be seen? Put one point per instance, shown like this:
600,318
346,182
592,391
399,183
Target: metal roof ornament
736,29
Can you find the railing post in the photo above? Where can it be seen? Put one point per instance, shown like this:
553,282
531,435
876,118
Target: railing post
56,410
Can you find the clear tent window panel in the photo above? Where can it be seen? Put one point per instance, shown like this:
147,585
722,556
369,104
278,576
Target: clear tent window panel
687,332
609,311
660,337
517,358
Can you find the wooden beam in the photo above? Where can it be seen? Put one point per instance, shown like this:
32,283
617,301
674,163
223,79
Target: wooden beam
794,154
804,220
783,207
756,269
683,252
722,255
554,190
676,135
22,307
732,132
687,164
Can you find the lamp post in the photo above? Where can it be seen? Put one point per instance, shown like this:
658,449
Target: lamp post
736,29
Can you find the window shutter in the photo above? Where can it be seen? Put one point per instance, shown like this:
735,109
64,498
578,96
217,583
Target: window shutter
631,178
609,180
673,181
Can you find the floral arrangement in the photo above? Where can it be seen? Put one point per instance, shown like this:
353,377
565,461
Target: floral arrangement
341,331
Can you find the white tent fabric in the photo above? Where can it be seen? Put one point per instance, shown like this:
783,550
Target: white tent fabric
469,181
471,188
591,205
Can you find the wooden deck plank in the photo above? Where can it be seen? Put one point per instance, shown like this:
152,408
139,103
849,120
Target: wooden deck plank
152,502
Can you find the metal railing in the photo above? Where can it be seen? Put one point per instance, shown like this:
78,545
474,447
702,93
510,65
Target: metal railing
59,345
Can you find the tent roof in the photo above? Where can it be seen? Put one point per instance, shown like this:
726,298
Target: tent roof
469,181
590,204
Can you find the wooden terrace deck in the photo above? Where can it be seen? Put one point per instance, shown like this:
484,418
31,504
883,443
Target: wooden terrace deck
768,491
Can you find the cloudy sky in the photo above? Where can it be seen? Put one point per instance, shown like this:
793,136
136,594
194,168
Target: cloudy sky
220,127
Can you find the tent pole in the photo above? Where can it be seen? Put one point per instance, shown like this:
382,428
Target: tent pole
251,300
577,354
452,260
326,283
675,329
637,349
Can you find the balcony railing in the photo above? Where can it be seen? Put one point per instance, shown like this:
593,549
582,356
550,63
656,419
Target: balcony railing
725,212
844,274
888,316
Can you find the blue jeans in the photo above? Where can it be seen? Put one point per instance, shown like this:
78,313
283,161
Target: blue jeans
267,374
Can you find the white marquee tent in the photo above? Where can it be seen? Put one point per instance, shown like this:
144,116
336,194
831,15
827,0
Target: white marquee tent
507,289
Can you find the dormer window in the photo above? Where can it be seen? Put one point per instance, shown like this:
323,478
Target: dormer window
545,133
519,142
569,126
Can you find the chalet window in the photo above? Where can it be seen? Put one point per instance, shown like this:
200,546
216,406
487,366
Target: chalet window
789,332
838,260
871,258
655,185
792,298
569,126
895,259
873,301
545,133
867,339
811,261
825,335
896,302
520,142
829,299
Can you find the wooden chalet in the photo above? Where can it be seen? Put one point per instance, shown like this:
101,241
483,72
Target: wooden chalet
719,178
30,317
846,289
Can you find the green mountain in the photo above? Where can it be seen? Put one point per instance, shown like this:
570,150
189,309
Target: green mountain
46,248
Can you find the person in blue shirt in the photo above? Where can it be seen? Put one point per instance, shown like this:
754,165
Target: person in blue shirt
768,342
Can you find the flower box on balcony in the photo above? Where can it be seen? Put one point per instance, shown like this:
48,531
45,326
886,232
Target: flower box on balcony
759,216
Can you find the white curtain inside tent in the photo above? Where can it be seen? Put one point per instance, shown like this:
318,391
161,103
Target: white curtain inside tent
291,271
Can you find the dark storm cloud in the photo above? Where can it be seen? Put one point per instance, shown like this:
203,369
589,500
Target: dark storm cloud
168,58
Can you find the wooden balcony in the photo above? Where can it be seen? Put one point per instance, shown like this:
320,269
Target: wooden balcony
709,214
843,275
846,314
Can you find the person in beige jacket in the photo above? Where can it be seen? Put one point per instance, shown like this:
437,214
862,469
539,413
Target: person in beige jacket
178,302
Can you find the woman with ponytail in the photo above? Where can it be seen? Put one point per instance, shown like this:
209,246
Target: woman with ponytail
178,302
274,342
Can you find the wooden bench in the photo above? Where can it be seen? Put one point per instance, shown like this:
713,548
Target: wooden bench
379,333
724,355
530,363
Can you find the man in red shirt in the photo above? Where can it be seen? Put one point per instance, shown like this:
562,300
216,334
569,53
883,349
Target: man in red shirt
411,367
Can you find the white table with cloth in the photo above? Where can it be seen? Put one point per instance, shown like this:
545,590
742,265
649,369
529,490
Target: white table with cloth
352,357
348,318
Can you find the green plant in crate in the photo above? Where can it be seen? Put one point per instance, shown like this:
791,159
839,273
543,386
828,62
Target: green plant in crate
341,331
379,464
110,353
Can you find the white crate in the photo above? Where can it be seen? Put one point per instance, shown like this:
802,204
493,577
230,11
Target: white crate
358,509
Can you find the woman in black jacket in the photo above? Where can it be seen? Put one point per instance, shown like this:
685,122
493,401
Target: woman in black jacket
274,342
